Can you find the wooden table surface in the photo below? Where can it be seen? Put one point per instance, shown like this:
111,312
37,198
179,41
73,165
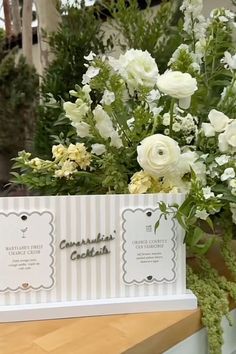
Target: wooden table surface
131,334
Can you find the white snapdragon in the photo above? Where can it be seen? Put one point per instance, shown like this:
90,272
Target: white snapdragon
178,85
229,173
227,140
137,68
207,193
98,149
108,97
76,111
90,74
229,61
196,59
166,119
105,127
194,21
82,129
218,120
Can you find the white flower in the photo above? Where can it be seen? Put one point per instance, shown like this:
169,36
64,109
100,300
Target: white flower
218,120
156,110
90,74
178,85
227,140
76,111
153,95
222,160
208,130
232,183
98,149
137,68
166,119
229,173
103,122
229,60
207,193
105,127
82,129
90,57
201,214
176,127
116,140
158,155
108,97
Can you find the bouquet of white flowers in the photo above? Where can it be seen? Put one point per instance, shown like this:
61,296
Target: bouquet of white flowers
135,130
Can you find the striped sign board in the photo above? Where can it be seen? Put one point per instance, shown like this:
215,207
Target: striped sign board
64,256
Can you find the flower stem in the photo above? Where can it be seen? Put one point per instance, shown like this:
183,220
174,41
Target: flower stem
172,105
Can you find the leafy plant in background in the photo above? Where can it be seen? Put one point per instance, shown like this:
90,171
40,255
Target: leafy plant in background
154,29
78,34
18,100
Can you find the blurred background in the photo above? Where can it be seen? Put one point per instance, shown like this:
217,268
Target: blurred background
42,49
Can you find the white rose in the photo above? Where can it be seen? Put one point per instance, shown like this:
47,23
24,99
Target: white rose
218,120
137,68
227,140
178,85
98,149
158,155
208,130
76,111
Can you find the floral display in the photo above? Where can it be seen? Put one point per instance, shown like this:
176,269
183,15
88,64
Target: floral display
136,130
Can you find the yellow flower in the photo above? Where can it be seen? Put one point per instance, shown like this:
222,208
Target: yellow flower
59,152
79,154
67,169
140,183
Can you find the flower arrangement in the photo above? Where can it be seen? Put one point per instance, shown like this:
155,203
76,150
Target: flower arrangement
136,130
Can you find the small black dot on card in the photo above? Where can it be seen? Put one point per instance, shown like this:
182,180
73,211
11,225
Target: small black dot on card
149,213
149,277
24,217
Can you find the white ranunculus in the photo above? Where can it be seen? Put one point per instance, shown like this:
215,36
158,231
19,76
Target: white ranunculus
158,155
82,129
76,111
137,68
178,85
218,120
208,130
98,149
227,140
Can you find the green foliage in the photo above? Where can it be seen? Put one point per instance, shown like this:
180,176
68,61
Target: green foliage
156,31
18,97
79,33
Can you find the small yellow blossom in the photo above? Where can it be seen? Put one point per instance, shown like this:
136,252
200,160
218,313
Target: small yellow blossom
59,152
79,154
140,183
67,169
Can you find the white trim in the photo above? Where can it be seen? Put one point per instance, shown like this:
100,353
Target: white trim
55,310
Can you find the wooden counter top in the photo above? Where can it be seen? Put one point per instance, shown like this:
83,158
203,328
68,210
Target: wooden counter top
131,334
151,333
